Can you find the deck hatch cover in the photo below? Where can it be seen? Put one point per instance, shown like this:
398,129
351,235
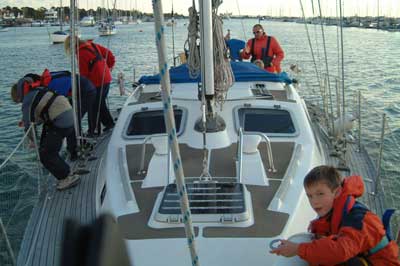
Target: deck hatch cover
209,202
151,122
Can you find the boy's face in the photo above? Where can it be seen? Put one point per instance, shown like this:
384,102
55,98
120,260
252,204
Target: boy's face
321,197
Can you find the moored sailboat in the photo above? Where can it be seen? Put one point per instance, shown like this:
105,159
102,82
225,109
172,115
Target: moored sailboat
60,35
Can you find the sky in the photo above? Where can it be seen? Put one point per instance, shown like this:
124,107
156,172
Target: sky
242,7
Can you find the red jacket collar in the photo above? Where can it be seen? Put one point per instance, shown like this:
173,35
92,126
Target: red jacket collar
352,188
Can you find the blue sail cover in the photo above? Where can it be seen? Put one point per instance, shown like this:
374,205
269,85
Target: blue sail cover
243,71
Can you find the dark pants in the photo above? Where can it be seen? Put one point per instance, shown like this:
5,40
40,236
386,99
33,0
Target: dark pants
87,105
104,116
50,146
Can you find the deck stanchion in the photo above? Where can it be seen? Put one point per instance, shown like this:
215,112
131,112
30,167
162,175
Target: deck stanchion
32,128
359,121
379,163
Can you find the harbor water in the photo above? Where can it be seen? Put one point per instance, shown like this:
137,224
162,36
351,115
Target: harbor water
371,65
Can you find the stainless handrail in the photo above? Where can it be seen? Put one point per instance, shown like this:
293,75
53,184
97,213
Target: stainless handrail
143,154
269,150
240,151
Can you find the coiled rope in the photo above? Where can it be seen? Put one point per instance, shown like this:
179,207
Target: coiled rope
193,38
223,75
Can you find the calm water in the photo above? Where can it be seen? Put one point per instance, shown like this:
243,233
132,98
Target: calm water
371,65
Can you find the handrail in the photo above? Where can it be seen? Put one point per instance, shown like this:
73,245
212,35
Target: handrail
240,151
124,179
269,150
146,139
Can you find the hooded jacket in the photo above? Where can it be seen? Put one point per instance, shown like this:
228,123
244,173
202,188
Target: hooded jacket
274,51
343,238
92,67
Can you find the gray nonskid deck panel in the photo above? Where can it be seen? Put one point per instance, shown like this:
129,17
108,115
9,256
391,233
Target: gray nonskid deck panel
42,240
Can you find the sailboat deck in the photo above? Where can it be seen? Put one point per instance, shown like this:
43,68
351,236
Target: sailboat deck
43,237
42,241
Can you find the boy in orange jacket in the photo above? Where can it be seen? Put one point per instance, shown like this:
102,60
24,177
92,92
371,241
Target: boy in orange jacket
347,233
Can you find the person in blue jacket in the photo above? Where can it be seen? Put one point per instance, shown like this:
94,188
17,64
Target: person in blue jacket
61,82
43,106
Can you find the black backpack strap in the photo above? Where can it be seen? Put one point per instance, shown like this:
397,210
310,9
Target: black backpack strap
253,56
96,52
35,102
268,45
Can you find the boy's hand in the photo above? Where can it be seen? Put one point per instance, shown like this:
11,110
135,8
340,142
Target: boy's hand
286,248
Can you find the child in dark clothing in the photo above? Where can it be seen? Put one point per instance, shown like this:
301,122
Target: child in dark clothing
347,233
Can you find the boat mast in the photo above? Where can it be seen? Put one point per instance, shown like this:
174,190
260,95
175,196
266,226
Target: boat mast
206,51
60,19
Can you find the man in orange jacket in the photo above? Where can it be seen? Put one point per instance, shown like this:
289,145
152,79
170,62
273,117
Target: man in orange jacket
265,48
347,233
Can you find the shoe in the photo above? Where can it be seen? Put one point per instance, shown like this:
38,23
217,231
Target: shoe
68,182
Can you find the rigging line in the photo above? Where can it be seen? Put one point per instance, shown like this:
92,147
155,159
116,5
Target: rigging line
324,45
79,92
171,130
310,45
337,38
342,51
17,147
102,78
241,20
73,9
173,34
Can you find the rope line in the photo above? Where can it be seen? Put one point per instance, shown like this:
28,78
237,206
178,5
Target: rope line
223,75
193,38
170,128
